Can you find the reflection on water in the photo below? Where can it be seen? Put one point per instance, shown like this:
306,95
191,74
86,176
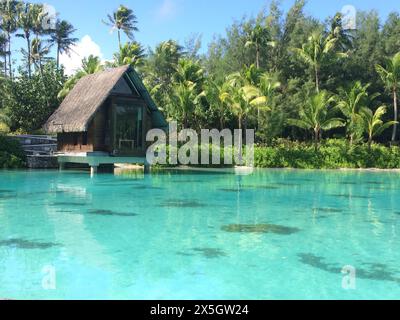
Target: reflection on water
253,236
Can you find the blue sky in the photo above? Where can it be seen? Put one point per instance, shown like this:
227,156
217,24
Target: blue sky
177,19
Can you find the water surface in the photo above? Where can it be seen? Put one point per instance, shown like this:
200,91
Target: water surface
275,234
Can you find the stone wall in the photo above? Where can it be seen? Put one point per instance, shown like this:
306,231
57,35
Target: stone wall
42,162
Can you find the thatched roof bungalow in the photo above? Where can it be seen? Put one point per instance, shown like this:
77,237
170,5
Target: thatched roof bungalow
107,113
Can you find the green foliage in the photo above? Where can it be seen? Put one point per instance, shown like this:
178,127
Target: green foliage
132,53
123,19
90,65
317,115
350,102
30,101
262,73
62,38
332,154
391,78
373,124
11,154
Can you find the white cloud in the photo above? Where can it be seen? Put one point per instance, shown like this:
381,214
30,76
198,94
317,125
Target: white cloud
84,48
167,10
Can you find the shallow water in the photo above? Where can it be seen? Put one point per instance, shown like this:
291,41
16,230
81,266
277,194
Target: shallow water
275,234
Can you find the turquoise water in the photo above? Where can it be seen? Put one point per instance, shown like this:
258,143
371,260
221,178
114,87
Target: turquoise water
270,235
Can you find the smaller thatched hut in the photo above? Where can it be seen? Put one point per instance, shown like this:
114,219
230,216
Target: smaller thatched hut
106,114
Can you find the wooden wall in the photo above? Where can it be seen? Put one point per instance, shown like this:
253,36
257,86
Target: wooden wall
98,137
74,142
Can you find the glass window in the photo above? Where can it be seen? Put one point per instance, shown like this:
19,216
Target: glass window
128,127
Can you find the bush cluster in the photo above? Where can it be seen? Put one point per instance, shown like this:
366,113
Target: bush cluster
11,154
332,154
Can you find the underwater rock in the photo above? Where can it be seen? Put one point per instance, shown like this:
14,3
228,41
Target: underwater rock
349,196
7,196
328,210
210,253
263,187
185,254
27,244
182,204
318,262
260,228
6,191
376,271
282,184
377,183
232,190
147,188
68,204
111,213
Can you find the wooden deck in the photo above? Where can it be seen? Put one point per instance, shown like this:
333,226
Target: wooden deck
95,159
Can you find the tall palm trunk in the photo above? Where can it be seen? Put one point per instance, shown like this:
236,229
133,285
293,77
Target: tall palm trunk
58,56
394,135
5,63
28,41
9,55
316,138
317,78
258,56
119,39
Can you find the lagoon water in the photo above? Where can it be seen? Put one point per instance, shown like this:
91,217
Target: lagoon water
274,234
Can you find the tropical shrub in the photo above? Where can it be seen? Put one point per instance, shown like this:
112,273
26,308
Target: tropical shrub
332,154
11,154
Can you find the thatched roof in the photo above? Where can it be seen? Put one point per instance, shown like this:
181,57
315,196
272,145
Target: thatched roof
79,107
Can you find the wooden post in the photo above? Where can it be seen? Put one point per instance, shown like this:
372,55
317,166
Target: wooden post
93,171
147,168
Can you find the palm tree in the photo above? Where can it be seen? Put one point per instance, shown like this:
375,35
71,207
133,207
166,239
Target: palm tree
391,78
258,38
184,99
62,38
3,52
242,100
4,122
124,20
315,52
189,70
214,94
318,116
9,13
344,37
25,23
350,103
90,65
160,65
38,14
132,53
164,60
267,86
373,124
38,54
